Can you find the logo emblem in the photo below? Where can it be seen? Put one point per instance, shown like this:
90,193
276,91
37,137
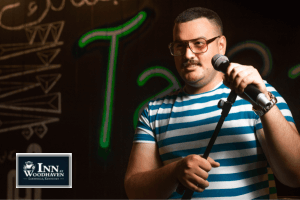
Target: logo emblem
43,170
28,168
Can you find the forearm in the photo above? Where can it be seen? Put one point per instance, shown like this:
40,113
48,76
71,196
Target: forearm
155,184
283,146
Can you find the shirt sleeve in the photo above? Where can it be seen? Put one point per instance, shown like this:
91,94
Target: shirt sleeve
281,104
143,131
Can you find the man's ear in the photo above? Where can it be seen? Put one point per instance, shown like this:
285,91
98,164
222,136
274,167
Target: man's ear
222,45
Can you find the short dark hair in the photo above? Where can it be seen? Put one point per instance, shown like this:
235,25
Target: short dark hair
198,12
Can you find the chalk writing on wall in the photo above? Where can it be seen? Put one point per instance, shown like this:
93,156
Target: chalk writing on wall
43,40
33,8
30,193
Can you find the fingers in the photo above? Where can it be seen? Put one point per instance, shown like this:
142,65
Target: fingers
197,183
192,172
213,162
238,77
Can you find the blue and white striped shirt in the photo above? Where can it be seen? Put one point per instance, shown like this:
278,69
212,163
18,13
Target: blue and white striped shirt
182,124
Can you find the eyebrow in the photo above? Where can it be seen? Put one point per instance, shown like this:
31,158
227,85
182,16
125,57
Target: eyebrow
202,37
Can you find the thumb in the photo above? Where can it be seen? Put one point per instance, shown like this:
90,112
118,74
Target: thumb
213,162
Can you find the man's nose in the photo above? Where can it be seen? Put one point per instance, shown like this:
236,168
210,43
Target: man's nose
188,52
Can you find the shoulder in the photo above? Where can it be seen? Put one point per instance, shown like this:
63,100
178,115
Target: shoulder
166,99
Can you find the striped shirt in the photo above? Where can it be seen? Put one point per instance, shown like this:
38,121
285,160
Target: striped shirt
182,124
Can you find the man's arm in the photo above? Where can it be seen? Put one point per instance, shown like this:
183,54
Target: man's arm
146,177
280,139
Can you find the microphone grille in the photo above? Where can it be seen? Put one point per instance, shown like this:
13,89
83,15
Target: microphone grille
217,60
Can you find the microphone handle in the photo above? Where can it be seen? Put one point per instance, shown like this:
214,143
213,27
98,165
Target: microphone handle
257,96
252,92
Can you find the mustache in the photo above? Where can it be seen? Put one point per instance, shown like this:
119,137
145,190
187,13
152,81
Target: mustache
191,62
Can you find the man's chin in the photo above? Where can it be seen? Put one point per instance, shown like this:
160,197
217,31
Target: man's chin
194,83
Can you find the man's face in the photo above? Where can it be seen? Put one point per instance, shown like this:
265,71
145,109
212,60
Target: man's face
202,73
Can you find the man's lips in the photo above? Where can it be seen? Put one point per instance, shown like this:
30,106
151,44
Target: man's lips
191,66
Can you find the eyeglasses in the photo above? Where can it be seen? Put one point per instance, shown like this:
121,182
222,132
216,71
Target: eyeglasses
199,45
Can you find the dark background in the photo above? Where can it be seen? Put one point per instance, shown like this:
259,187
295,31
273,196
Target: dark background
76,111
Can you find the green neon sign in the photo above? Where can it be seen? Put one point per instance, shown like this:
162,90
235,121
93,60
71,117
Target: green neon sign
145,76
112,35
294,72
260,48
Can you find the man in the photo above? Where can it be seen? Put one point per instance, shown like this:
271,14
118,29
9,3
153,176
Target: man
173,130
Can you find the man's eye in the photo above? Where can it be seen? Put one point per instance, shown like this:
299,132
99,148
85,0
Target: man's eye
199,43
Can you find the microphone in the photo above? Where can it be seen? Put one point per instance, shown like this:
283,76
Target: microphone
221,63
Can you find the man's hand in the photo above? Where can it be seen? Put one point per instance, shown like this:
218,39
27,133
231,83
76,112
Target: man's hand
192,172
238,77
